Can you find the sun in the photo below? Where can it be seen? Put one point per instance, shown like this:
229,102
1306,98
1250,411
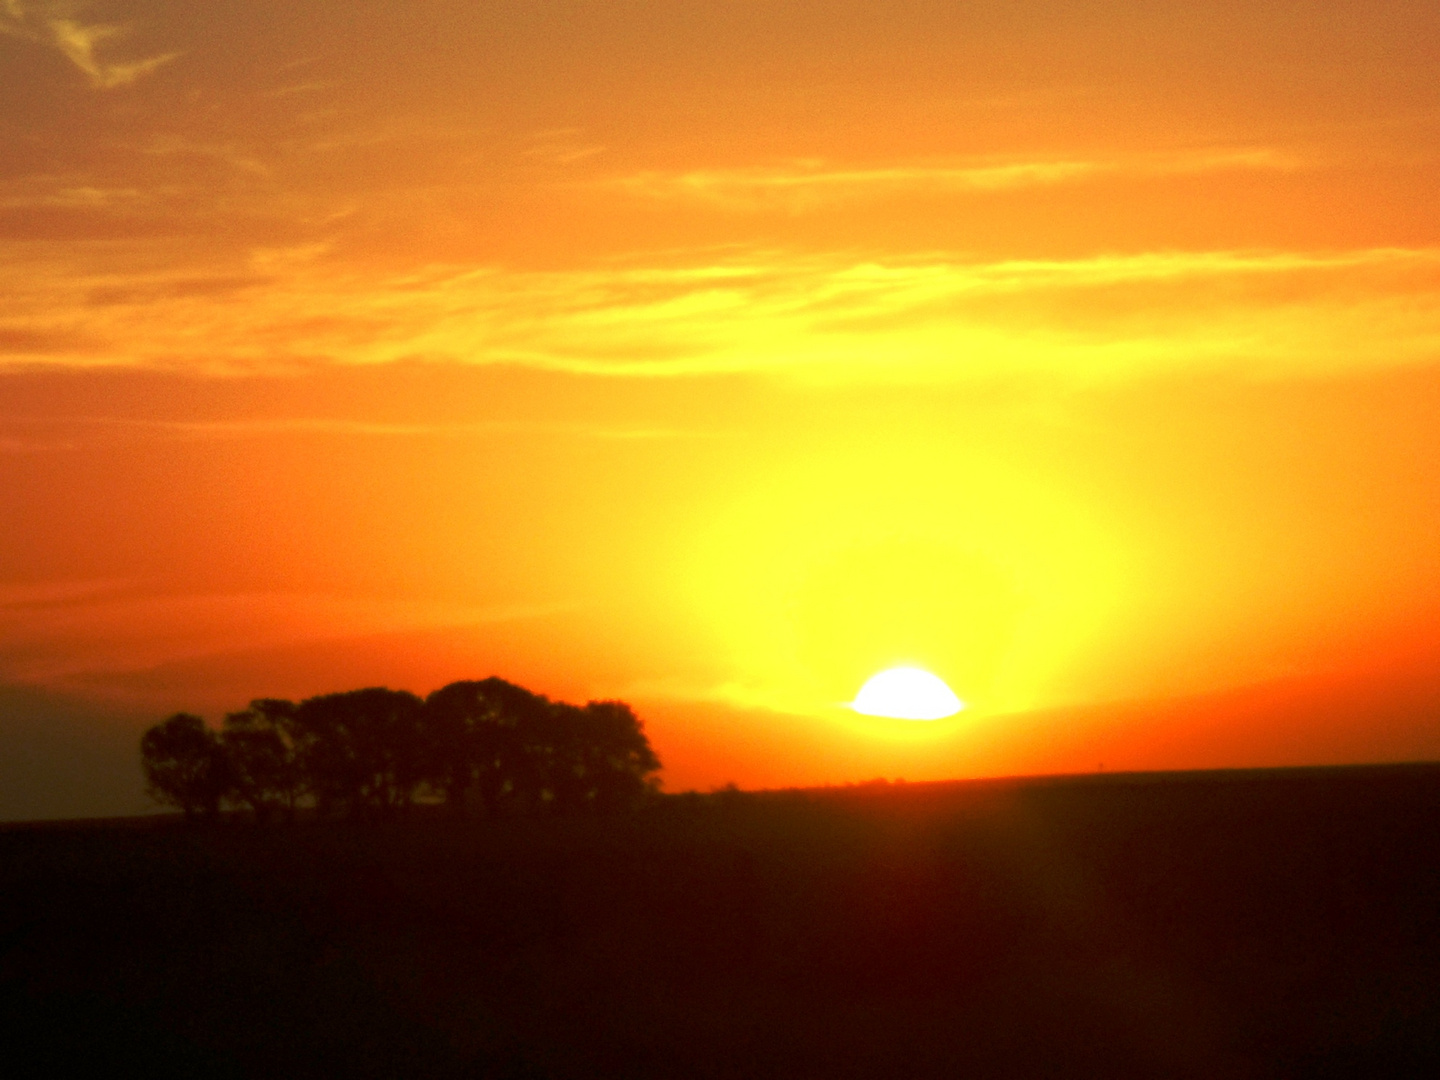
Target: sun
907,693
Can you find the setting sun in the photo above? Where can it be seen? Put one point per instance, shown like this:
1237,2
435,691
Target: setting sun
907,693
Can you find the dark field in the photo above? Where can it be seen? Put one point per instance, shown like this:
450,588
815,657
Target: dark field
1279,923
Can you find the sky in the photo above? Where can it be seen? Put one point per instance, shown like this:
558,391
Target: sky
716,357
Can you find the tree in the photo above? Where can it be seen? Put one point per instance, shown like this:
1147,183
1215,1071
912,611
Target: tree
260,743
520,749
448,737
367,752
361,750
479,733
620,762
599,758
186,766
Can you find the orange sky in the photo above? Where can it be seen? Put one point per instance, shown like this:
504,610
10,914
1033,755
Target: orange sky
715,356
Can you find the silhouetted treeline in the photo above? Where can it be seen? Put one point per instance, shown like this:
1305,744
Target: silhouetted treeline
371,753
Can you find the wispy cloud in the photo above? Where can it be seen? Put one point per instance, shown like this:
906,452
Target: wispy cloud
77,196
80,42
811,184
561,146
15,595
64,629
230,154
313,87
38,434
805,317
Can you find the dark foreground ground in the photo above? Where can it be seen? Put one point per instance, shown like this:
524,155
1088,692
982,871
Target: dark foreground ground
1280,923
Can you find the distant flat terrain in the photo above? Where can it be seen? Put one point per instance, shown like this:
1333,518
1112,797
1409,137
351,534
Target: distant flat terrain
1229,924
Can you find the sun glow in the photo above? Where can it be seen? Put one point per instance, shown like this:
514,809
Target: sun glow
838,562
907,693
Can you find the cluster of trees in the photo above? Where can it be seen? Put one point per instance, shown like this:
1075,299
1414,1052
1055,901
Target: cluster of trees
371,753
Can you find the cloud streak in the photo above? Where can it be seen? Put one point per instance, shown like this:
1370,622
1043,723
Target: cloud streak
814,185
79,42
803,317
35,435
52,631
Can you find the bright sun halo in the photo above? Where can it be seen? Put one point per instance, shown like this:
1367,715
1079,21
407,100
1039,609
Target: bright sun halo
907,693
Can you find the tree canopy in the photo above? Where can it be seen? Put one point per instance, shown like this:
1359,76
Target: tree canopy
186,765
487,744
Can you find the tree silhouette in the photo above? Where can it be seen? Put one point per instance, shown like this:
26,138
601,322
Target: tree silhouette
261,745
368,752
597,757
482,733
185,765
447,731
361,750
619,761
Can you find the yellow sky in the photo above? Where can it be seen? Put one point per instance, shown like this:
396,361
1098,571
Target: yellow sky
715,356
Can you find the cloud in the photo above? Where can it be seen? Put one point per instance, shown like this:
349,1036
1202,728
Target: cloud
12,18
561,146
54,631
44,593
79,42
231,154
816,318
64,756
811,185
34,435
33,341
312,87
79,196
